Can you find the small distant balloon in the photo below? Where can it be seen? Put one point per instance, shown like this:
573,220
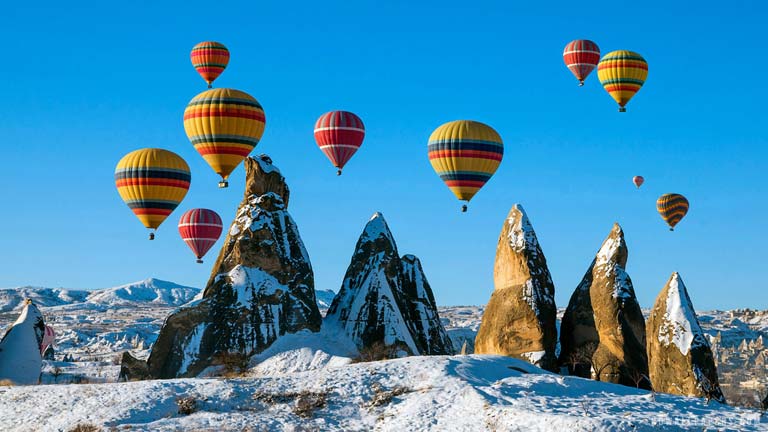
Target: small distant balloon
638,181
152,182
672,207
339,134
622,73
209,59
200,229
581,57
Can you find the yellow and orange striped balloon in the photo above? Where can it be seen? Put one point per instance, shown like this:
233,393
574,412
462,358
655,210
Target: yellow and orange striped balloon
152,182
622,73
224,125
672,207
465,154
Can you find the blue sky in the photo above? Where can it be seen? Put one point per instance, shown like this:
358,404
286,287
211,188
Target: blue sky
83,84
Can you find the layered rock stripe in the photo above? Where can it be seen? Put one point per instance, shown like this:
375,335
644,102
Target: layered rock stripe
224,125
339,134
209,59
152,182
581,57
672,208
465,154
622,73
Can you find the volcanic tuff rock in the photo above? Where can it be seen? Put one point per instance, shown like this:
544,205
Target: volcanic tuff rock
680,358
520,319
387,299
20,359
602,333
261,287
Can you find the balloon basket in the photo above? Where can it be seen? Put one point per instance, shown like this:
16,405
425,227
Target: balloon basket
338,172
671,229
581,83
464,208
199,261
151,236
223,184
622,109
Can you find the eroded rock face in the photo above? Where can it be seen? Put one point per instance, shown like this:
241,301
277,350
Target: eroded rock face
680,358
602,333
20,358
386,299
520,319
261,287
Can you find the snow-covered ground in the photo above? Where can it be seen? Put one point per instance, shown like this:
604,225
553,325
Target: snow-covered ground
462,393
447,393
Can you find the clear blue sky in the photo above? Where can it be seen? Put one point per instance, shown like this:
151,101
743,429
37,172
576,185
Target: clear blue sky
83,84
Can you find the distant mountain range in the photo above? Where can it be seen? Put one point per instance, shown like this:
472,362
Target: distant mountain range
151,291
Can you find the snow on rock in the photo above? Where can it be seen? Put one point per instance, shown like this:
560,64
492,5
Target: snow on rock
261,287
324,298
20,358
440,393
679,355
386,299
603,326
519,320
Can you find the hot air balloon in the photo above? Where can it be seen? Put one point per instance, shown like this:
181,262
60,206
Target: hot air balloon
465,154
339,134
152,182
200,229
581,56
672,208
622,73
209,59
224,125
638,181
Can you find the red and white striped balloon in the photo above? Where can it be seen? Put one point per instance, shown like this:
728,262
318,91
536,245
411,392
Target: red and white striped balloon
581,56
200,229
48,337
339,134
638,180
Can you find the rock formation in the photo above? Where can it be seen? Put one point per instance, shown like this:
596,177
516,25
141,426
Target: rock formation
385,299
520,319
680,358
602,333
20,359
261,287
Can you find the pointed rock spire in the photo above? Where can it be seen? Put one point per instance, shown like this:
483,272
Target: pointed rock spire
520,319
602,333
680,358
261,287
20,358
386,299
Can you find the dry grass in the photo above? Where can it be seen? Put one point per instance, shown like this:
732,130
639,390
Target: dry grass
304,403
187,405
234,363
85,427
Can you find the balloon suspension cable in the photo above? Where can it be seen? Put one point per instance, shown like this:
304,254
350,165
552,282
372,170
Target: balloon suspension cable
464,208
151,236
338,172
622,109
223,184
199,261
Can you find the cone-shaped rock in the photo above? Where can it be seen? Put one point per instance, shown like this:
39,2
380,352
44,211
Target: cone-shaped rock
602,333
680,358
385,299
20,358
520,319
261,287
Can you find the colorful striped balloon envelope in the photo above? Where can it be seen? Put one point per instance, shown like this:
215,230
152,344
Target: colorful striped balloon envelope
339,134
622,73
581,57
209,59
672,207
200,229
152,182
465,154
224,125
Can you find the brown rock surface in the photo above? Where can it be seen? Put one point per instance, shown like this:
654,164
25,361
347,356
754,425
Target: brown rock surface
602,333
520,319
261,287
680,358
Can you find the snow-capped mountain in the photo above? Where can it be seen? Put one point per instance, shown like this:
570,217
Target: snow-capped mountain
324,298
13,298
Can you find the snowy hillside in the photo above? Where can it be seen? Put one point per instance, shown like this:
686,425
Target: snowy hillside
13,298
446,393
